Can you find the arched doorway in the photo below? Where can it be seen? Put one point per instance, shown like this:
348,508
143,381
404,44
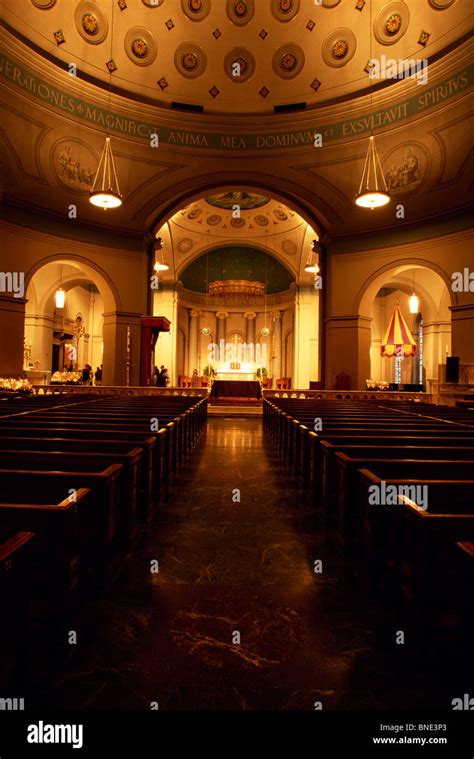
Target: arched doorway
239,236
76,334
430,325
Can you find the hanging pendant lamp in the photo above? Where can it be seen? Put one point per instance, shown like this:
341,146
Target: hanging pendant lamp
414,301
60,295
105,192
160,263
60,298
373,190
312,266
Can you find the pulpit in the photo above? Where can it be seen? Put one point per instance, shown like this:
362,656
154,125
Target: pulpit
151,326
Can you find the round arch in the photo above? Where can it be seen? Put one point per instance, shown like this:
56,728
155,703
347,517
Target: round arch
380,277
158,213
86,270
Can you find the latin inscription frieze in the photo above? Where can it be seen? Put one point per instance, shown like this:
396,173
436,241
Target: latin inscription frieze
80,109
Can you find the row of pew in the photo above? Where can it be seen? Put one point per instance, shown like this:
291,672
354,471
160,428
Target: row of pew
393,487
79,483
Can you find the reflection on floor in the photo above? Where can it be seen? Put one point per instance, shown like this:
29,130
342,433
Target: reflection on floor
236,549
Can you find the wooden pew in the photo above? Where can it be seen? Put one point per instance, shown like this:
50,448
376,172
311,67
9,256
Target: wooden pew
74,445
72,432
450,504
340,467
101,521
128,484
337,441
16,553
357,517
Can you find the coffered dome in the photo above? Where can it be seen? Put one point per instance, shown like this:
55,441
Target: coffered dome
238,56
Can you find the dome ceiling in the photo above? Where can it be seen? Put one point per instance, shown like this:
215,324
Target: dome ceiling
273,228
242,56
236,262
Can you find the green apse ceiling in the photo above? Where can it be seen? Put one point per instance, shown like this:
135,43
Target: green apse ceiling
237,262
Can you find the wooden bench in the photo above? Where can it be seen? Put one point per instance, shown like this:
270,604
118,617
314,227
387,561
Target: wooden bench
340,468
101,523
16,554
336,442
129,480
111,447
382,531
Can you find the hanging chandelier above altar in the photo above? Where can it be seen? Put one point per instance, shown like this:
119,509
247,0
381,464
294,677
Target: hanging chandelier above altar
237,288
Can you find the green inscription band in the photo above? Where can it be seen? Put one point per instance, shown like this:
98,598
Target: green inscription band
62,101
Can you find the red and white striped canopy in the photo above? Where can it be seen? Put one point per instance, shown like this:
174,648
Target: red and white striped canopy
398,339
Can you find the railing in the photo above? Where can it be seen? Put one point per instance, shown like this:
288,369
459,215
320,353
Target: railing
352,395
118,390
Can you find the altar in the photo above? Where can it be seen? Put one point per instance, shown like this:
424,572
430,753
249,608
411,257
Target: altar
236,389
235,374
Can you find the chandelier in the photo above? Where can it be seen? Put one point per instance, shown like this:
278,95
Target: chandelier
237,288
373,191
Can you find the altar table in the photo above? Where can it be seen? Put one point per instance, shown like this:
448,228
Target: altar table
236,389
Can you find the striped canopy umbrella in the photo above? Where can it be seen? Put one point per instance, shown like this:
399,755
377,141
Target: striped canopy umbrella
398,339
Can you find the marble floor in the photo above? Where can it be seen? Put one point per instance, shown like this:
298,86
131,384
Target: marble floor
236,617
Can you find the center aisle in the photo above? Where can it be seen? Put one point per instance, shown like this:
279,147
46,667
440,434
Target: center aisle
230,568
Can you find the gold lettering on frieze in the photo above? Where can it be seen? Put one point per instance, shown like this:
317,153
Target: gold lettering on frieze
233,142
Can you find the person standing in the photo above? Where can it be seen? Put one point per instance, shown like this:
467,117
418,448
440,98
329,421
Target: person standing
165,376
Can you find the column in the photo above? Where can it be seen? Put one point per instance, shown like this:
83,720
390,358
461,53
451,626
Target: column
348,349
462,330
221,321
250,317
165,303
12,319
193,340
276,346
39,329
306,337
115,347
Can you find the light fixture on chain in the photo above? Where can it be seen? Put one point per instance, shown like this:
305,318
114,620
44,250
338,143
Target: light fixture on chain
373,191
160,263
414,301
105,191
60,295
312,266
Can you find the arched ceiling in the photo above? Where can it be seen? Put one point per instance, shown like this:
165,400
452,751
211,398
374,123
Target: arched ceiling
235,56
261,223
237,262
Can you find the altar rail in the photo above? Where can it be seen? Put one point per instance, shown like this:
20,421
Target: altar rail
119,390
349,395
356,395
